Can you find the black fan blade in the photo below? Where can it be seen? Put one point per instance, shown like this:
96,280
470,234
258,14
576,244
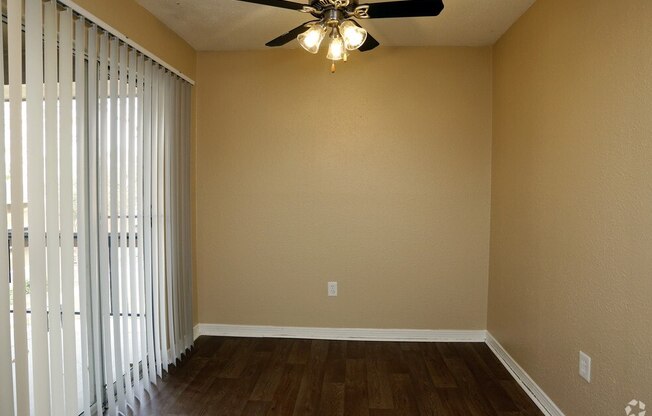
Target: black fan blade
406,8
370,43
283,4
286,37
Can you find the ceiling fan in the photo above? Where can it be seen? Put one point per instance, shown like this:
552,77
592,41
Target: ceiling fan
336,19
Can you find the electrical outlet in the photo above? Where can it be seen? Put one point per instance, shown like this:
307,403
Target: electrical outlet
585,366
332,288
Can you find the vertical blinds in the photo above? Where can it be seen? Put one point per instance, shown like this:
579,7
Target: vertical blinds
95,272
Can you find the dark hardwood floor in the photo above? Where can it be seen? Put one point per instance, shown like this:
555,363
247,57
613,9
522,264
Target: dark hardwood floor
262,376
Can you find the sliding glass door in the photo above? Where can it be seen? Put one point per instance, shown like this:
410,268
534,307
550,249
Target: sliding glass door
95,271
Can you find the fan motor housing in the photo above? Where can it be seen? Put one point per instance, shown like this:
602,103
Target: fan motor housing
340,5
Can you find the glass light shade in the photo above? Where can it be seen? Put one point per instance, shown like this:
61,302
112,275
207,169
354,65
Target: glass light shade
312,38
354,36
336,49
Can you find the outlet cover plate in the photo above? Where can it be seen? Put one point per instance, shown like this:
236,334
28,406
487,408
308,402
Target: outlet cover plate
585,366
332,288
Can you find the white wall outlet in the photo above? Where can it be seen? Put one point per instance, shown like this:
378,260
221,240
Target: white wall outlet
332,288
585,366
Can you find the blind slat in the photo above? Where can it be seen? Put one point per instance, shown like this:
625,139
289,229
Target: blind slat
146,219
132,184
125,281
179,288
140,208
83,270
94,215
36,206
103,208
6,370
179,300
142,302
52,211
152,168
158,216
14,44
167,164
66,200
187,220
114,233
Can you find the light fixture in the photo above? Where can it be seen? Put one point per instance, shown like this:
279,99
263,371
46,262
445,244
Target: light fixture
311,39
353,35
336,48
344,33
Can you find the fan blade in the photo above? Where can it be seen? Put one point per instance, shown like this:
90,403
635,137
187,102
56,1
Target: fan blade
283,4
370,43
286,37
407,8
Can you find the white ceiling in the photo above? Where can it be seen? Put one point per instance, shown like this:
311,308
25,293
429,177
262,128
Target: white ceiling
219,25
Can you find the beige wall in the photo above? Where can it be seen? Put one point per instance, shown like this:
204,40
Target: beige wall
571,233
377,177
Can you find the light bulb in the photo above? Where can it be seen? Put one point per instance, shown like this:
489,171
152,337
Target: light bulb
354,36
311,38
336,49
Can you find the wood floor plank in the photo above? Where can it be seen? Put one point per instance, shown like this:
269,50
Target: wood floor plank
332,400
228,347
356,402
300,352
270,377
196,398
239,389
428,400
520,398
192,385
446,349
356,349
382,412
238,359
379,385
437,369
405,402
477,401
484,393
498,398
497,368
312,380
221,394
285,398
481,372
454,402
283,377
253,408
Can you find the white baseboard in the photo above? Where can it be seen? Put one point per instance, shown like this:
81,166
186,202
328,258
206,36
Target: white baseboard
540,398
352,334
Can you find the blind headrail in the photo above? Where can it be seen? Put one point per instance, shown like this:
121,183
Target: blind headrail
124,38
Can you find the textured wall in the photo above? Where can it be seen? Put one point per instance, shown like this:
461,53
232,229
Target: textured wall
377,177
571,232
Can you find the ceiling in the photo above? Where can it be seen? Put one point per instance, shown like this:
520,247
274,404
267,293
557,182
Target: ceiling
220,25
